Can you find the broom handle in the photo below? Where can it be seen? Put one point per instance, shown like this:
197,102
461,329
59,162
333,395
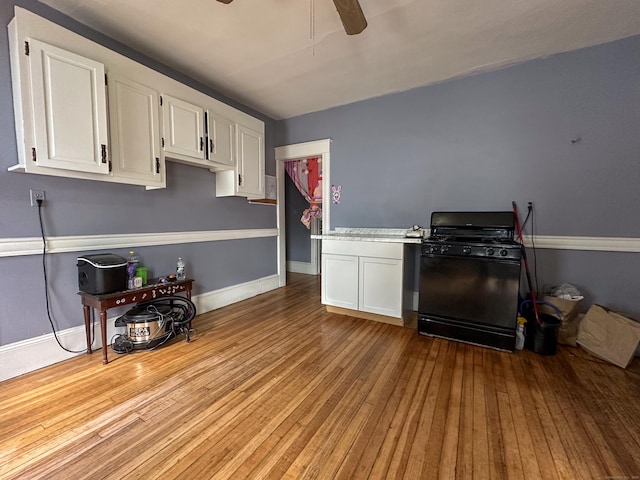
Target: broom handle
532,293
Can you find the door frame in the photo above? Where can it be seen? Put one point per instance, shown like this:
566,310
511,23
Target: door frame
317,148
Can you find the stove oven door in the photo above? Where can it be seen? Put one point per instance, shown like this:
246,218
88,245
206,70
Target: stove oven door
468,298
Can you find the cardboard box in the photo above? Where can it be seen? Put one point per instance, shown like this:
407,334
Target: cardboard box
609,335
568,332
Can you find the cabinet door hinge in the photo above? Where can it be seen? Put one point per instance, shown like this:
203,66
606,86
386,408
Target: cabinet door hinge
110,165
103,149
33,154
239,179
157,165
211,145
26,48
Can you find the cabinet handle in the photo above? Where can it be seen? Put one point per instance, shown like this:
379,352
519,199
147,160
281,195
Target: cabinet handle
239,179
201,143
157,165
211,145
103,149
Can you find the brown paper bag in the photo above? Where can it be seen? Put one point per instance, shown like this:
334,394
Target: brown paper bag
609,336
568,332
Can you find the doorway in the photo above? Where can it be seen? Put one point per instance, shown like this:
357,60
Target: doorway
318,148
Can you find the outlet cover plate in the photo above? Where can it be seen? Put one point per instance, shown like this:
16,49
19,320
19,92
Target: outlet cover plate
35,196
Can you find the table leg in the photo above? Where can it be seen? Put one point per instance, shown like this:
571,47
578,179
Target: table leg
103,329
87,326
188,292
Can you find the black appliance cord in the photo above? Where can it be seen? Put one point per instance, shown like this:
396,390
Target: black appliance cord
531,215
533,246
46,284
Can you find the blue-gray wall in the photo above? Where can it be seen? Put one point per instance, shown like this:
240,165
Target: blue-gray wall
480,142
80,207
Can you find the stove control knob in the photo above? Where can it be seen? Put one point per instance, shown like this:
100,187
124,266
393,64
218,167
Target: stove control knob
466,250
490,251
444,248
503,253
433,249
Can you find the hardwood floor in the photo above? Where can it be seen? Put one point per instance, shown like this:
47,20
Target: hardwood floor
274,387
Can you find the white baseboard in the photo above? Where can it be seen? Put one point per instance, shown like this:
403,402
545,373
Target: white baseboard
33,353
206,302
301,267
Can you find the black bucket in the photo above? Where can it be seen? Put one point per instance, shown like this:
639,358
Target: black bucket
542,337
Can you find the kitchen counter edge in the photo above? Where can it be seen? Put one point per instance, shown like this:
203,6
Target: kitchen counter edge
368,238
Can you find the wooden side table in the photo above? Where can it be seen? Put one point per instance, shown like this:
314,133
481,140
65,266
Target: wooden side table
102,303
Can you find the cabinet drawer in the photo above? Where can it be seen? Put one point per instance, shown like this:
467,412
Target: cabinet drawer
364,249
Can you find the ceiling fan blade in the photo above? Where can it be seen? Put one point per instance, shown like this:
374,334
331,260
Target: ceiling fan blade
351,16
225,1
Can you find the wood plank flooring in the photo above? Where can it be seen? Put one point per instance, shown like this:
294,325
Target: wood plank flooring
274,387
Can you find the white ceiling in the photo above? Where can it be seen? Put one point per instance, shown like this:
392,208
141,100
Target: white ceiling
290,57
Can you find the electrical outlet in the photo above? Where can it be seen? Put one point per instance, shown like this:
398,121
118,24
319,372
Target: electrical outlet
35,196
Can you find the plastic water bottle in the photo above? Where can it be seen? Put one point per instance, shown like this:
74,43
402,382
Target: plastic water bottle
180,273
132,264
520,333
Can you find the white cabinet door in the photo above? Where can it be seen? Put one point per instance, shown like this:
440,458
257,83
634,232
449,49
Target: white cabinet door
247,179
135,131
69,109
340,280
250,162
380,286
220,139
183,125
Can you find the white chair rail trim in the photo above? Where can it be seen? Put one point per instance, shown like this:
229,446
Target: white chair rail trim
12,247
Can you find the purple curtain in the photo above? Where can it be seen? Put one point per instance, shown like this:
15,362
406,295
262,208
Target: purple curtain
306,175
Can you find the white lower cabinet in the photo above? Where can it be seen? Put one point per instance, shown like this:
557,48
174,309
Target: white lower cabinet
340,280
364,276
380,286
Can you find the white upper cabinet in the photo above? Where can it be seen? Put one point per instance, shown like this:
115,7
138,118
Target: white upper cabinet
134,120
247,180
183,128
250,162
220,139
70,123
69,109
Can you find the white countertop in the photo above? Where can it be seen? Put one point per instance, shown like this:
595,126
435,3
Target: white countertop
391,235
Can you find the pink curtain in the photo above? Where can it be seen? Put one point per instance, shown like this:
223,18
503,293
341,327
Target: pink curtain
306,175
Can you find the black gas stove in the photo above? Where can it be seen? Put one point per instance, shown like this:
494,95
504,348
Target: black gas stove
470,277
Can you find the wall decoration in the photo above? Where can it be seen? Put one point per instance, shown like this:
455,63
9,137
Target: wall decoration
336,193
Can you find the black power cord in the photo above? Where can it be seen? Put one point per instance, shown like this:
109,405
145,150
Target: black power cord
533,244
531,215
46,283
